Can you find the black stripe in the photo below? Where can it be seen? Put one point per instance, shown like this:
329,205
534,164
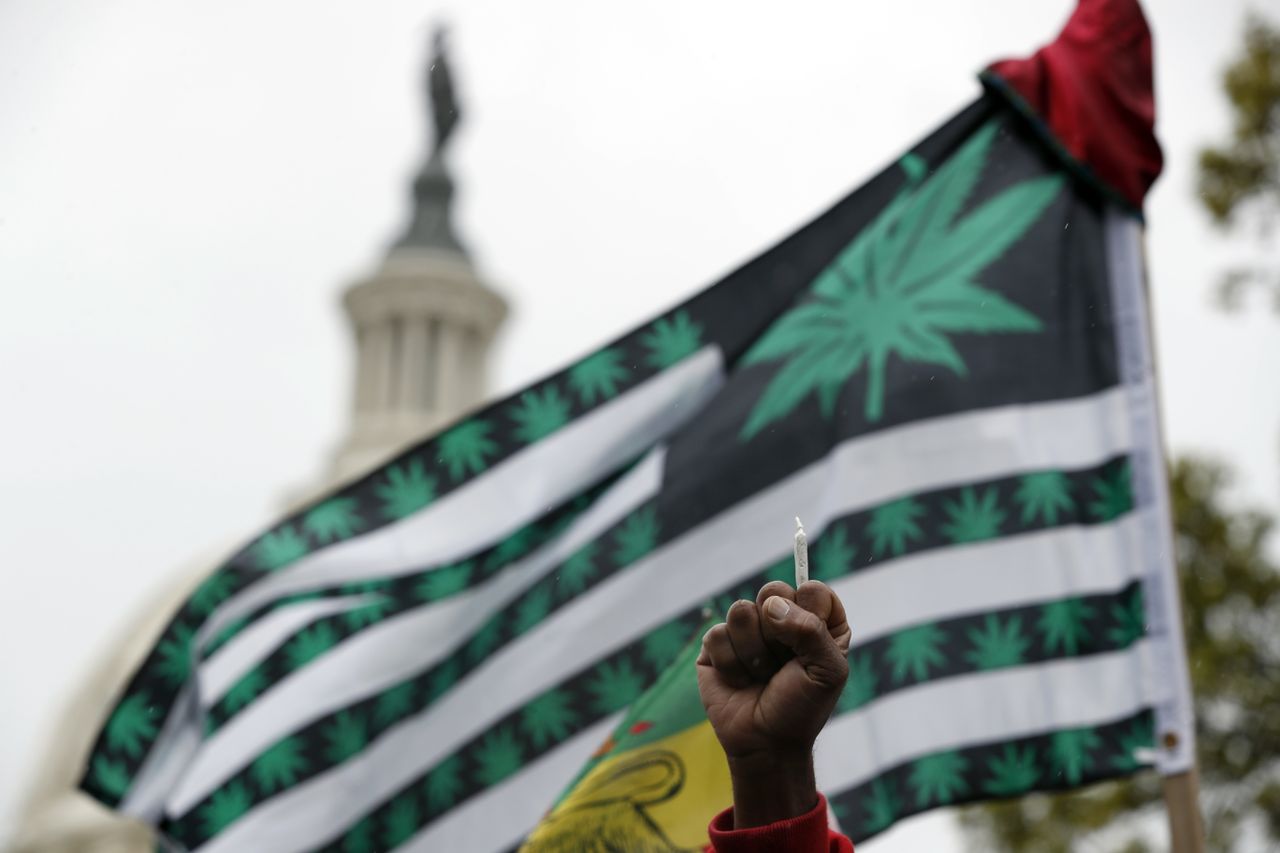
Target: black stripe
1017,636
1048,762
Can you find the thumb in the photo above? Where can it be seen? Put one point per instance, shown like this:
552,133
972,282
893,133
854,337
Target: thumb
808,638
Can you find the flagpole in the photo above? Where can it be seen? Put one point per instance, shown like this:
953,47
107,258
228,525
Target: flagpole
1182,804
1181,790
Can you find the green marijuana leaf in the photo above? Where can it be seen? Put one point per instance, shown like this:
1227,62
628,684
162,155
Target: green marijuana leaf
661,645
445,676
914,650
998,645
225,807
406,490
1114,495
394,704
514,546
1044,494
211,593
485,639
833,558
280,765
578,569
1063,624
444,783
345,736
332,520
132,723
892,524
615,686
309,645
245,690
1130,618
883,806
1069,753
672,340
174,664
861,686
279,548
110,776
906,281
549,718
1012,772
443,582
467,447
637,536
939,778
533,608
538,415
972,519
598,375
402,821
498,756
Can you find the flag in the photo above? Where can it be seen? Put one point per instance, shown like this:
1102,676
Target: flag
947,375
653,784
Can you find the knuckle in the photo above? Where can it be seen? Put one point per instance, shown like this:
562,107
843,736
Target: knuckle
809,625
781,588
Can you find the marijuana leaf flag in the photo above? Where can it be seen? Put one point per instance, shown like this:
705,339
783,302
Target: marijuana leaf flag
947,375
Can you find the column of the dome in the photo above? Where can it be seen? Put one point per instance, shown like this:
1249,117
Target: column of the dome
380,370
449,392
415,362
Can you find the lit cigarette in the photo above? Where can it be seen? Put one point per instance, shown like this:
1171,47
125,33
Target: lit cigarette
802,554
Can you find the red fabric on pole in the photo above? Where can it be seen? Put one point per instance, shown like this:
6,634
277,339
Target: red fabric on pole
1093,87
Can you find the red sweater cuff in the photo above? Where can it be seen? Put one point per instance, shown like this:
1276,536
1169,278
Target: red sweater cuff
807,833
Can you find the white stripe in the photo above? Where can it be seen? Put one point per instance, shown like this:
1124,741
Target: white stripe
243,651
509,495
386,653
969,710
1175,717
1046,565
860,473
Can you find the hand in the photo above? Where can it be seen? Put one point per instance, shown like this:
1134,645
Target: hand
769,678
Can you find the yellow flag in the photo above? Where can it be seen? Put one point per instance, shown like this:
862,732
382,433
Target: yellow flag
653,785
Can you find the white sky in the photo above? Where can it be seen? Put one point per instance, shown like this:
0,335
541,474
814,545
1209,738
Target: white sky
186,188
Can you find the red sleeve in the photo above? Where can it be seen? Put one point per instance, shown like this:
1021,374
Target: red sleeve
807,833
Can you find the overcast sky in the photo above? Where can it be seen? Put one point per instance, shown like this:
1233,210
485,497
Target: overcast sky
186,188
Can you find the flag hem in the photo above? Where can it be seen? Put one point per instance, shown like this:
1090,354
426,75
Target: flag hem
1003,91
1175,717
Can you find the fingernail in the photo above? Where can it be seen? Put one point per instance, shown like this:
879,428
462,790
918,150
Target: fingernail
777,607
